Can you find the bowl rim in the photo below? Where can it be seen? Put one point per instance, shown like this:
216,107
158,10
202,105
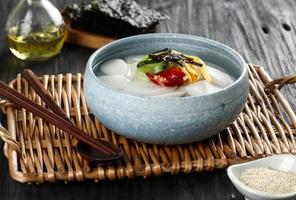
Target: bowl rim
252,191
235,54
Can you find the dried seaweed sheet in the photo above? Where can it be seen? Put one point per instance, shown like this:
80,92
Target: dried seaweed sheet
117,18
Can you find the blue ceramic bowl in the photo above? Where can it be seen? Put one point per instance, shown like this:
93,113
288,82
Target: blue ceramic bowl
173,120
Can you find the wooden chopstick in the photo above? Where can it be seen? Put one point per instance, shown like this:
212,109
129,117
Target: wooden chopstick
45,96
43,93
53,118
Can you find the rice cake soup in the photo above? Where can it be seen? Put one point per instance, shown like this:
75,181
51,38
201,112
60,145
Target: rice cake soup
164,74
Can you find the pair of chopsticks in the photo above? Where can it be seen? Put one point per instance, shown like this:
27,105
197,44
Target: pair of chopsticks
58,118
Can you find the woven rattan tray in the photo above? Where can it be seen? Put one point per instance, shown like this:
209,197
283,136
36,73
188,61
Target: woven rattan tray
38,152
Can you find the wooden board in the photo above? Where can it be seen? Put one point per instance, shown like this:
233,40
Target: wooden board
84,38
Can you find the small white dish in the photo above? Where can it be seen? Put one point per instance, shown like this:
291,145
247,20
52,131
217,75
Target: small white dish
284,162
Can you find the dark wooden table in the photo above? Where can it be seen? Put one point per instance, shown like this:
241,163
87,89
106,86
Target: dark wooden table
263,31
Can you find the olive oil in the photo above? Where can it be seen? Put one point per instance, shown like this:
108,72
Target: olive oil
39,44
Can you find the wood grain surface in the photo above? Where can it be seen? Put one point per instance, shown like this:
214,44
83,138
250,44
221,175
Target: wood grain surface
263,31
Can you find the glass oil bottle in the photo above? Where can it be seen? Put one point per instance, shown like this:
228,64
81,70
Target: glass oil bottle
35,30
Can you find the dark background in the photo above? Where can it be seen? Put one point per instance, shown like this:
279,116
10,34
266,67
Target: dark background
263,31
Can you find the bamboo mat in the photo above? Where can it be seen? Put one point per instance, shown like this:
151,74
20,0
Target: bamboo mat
39,152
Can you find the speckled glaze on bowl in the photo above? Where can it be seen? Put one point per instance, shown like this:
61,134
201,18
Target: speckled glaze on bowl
173,120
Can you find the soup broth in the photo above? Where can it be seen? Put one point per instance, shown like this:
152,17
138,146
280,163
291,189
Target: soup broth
137,75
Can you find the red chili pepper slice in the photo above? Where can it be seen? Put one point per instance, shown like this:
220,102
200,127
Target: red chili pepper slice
168,78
